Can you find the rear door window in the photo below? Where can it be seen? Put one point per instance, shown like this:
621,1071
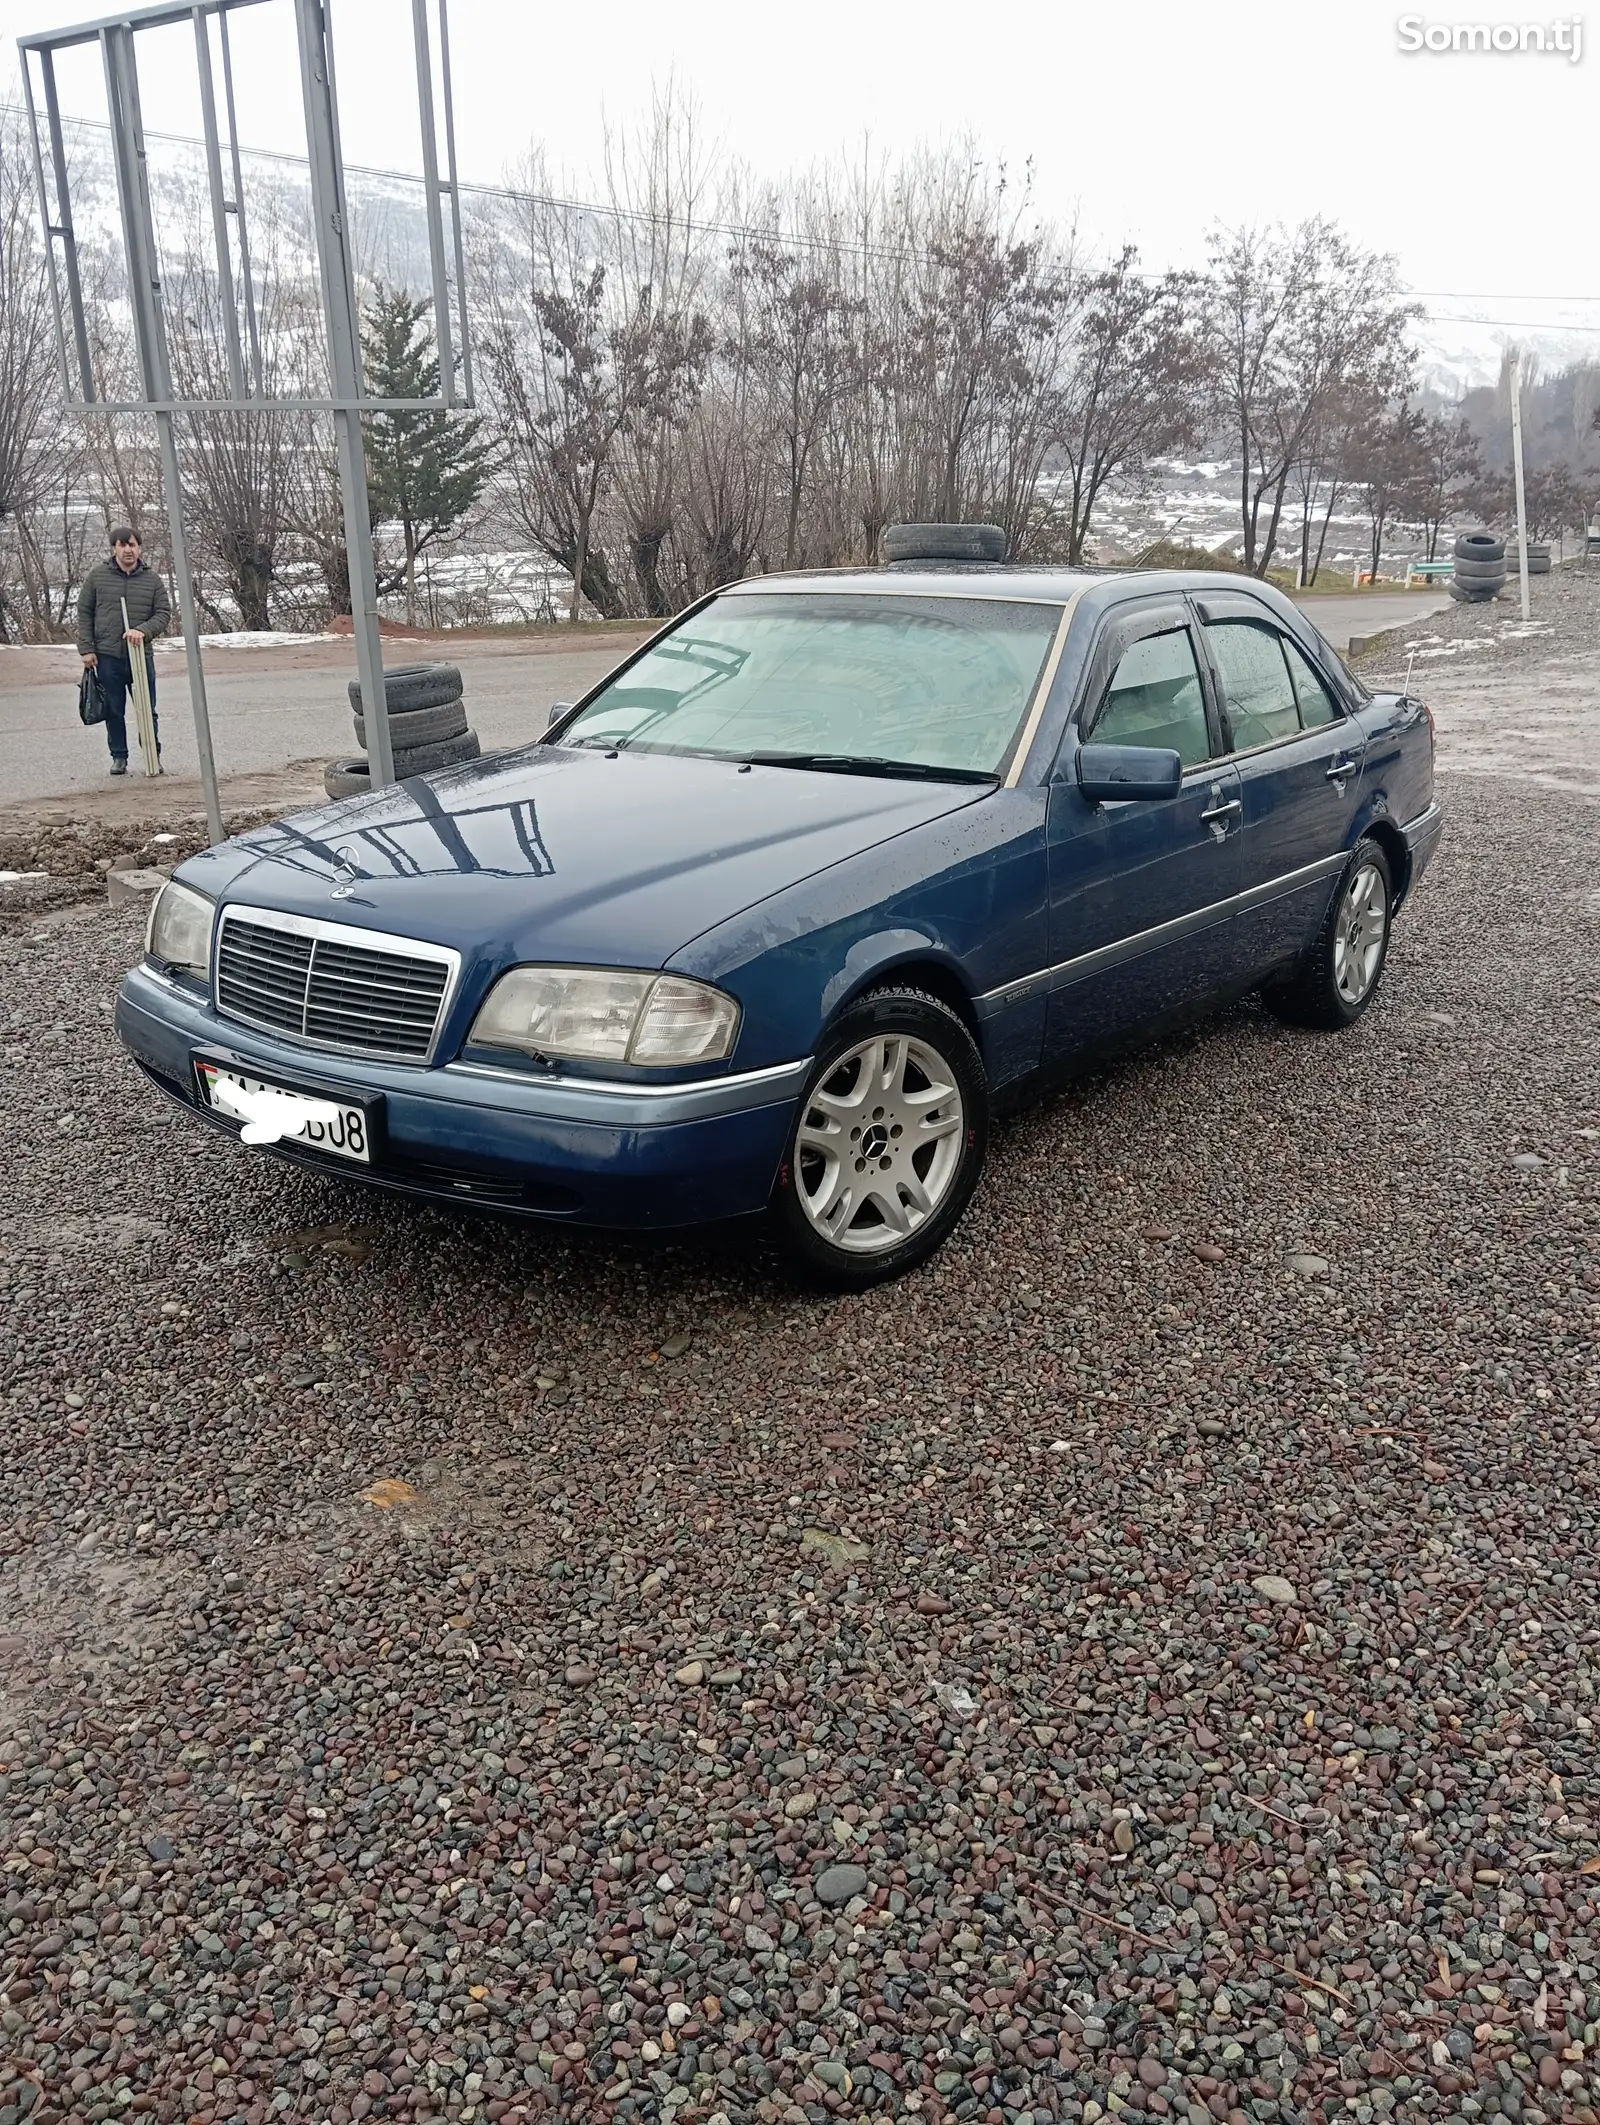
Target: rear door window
1258,692
1310,689
1155,698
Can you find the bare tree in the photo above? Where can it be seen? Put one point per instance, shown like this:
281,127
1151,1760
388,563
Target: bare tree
659,192
1132,391
31,464
238,469
1386,465
1449,459
727,489
553,373
691,379
1294,320
803,342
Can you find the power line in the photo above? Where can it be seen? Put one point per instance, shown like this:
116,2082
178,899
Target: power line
1472,295
1511,324
750,232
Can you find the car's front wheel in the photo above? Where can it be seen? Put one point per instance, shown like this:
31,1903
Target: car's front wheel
888,1141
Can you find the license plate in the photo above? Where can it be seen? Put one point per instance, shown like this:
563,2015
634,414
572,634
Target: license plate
269,1114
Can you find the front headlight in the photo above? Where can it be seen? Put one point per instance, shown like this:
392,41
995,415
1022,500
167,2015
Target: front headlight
179,930
595,1014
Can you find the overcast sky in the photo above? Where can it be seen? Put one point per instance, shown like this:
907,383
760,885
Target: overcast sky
1146,121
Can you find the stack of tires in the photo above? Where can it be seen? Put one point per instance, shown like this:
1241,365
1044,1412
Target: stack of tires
1480,567
1538,557
427,727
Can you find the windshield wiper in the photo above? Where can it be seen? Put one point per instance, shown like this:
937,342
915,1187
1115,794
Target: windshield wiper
870,764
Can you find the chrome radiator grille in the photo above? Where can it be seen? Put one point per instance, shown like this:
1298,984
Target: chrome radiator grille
332,986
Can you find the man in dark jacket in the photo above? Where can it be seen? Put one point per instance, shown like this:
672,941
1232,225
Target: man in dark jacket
108,643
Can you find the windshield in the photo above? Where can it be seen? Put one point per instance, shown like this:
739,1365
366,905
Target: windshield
939,685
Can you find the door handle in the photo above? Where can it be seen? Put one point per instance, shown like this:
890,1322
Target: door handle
1341,770
1217,817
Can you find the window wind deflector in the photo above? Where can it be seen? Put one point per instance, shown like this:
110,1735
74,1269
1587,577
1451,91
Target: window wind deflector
869,764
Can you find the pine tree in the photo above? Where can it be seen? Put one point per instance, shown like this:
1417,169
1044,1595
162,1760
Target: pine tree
425,470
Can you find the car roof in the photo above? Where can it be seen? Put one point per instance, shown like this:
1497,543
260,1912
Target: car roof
1041,586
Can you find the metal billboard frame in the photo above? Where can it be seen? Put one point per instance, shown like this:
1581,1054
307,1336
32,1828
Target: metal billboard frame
347,400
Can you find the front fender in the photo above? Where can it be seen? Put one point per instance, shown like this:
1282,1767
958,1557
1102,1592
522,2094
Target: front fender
965,895
873,957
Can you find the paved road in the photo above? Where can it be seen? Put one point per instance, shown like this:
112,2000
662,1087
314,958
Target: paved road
1337,619
274,707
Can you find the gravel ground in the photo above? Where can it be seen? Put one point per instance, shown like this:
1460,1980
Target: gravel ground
1144,1662
1512,697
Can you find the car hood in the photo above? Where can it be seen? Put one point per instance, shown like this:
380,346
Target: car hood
569,854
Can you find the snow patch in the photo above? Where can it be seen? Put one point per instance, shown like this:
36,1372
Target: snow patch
261,638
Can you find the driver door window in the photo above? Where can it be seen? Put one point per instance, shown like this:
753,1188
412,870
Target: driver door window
1155,699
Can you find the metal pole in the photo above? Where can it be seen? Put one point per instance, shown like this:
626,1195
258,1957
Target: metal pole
63,228
48,227
238,209
332,222
144,289
1516,462
430,189
463,324
219,203
191,628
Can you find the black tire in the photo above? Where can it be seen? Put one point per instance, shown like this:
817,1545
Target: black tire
347,778
1480,546
944,542
419,726
423,759
1538,563
1475,593
1480,572
412,686
861,1256
1315,995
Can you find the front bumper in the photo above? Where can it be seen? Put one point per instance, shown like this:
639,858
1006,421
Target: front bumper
622,1156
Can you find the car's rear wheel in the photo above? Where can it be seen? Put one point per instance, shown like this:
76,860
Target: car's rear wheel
1341,972
888,1142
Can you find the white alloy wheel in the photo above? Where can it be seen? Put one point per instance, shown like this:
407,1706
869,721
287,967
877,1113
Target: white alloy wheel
879,1144
1360,930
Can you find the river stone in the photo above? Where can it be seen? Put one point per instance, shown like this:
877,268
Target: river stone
839,1550
836,1885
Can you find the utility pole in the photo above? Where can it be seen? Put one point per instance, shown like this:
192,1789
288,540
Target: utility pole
1516,465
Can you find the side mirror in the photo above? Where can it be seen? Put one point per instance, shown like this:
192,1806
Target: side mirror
1118,774
558,709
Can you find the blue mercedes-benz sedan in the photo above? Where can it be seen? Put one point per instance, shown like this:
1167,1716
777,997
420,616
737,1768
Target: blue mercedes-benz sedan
770,920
